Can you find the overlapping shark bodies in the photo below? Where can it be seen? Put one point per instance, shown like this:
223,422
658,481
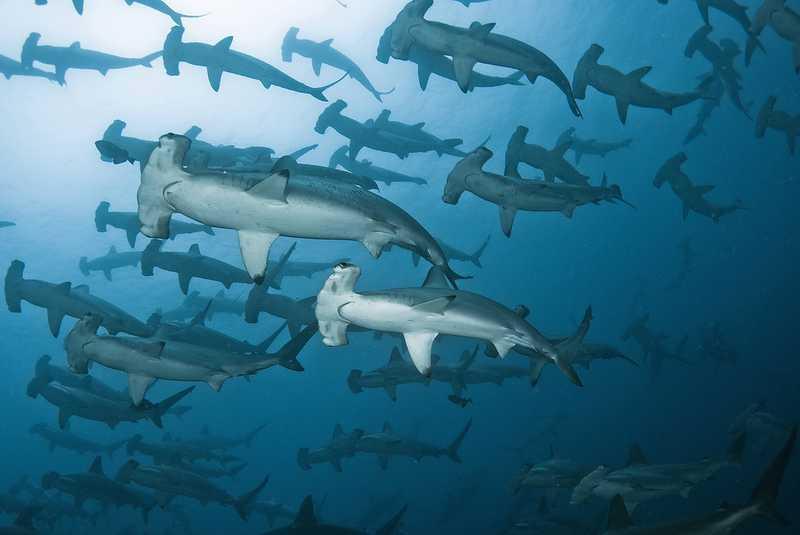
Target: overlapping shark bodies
219,58
652,345
46,372
57,438
307,523
550,162
640,481
713,90
129,222
395,373
462,374
189,265
169,482
95,485
383,135
340,158
73,401
174,452
737,12
74,57
11,67
277,205
590,147
214,442
721,57
388,444
627,89
468,46
296,312
341,446
762,428
422,314
784,21
692,197
110,261
770,118
554,473
324,54
65,300
512,193
195,303
146,360
727,519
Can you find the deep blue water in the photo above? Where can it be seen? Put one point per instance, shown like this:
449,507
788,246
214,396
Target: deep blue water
743,276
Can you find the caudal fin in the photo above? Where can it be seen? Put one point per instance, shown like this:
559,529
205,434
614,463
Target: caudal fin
452,449
244,503
161,408
475,257
146,60
319,92
354,381
288,353
13,280
265,345
765,495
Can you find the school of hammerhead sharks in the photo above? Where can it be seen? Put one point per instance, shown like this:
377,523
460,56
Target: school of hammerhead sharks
262,197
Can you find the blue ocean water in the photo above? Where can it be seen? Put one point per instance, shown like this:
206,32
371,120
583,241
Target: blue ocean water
621,261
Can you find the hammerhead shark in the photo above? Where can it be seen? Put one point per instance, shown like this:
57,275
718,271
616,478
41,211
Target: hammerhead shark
784,20
627,89
74,57
324,54
129,222
219,58
550,162
468,46
367,168
592,147
10,67
769,117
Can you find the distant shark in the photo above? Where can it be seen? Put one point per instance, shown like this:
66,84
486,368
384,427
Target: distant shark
388,444
129,222
779,120
10,67
110,261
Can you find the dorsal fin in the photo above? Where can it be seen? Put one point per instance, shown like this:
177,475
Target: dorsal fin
561,150
481,31
273,187
639,73
284,163
64,287
327,42
81,289
76,44
97,466
305,517
436,279
382,119
387,427
200,318
224,43
395,359
636,455
194,250
618,517
193,132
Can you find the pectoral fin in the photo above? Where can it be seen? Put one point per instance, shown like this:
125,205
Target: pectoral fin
622,108
507,214
255,246
54,318
184,279
138,385
214,77
316,65
107,274
376,241
419,347
463,66
424,74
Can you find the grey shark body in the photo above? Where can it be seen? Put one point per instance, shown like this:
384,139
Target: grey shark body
713,91
219,58
784,20
11,67
395,373
47,372
341,446
296,312
550,162
721,56
58,438
174,453
513,193
468,46
83,404
210,441
146,360
169,482
778,120
367,168
627,89
725,520
554,473
462,374
307,523
189,265
414,135
109,262
324,54
278,204
387,444
162,7
74,57
581,147
194,303
95,485
692,197
129,222
422,314
65,300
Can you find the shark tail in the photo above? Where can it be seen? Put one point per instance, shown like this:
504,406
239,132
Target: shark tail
762,120
28,49
268,341
319,92
452,449
243,504
251,308
288,353
148,59
392,527
302,459
13,279
161,408
753,44
354,381
475,257
514,78
765,495
83,265
177,18
78,5
251,436
379,94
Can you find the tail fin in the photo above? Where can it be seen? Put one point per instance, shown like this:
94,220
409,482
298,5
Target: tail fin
244,503
452,449
765,494
353,381
319,92
101,216
265,345
251,306
392,527
475,257
288,353
13,279
161,408
29,49
302,459
146,60
83,265
146,260
696,40
764,114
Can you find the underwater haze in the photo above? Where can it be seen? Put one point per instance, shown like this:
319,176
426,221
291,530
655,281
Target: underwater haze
639,233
